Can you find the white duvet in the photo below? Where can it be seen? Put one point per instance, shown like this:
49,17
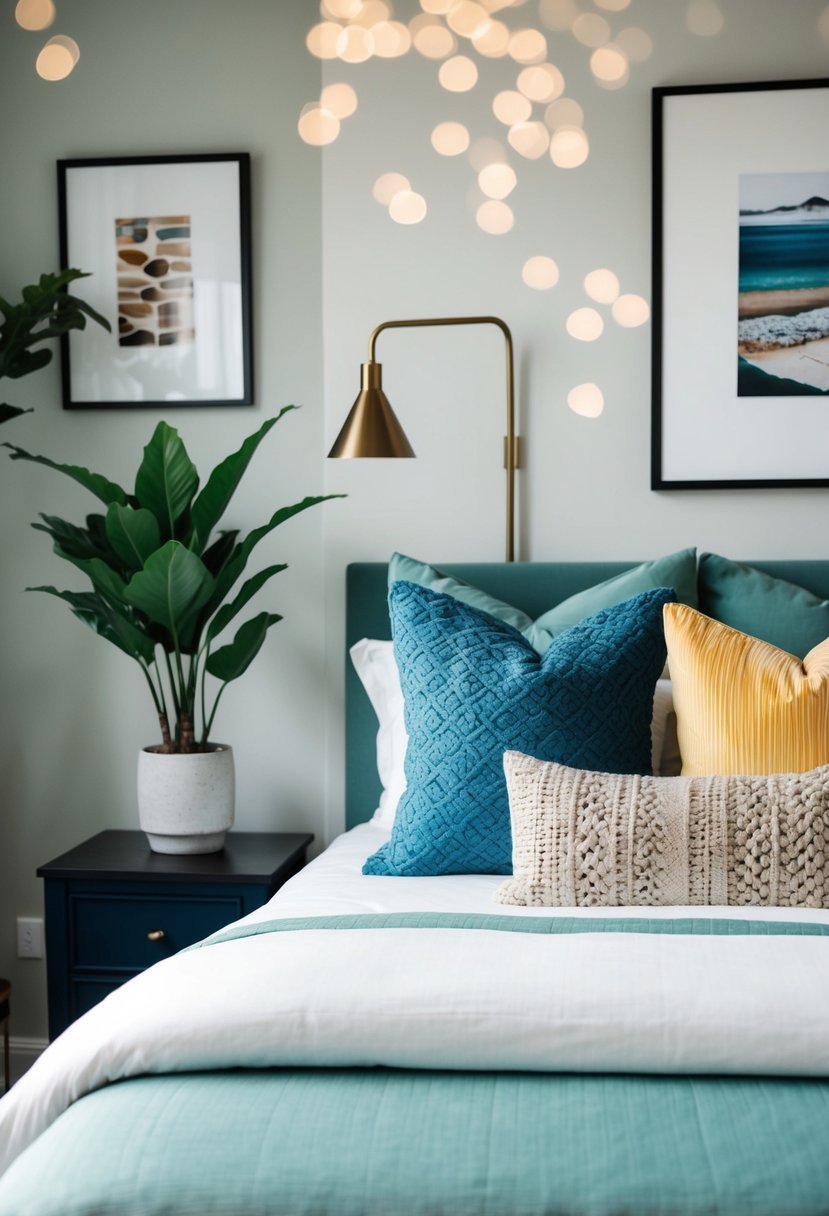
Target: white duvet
445,998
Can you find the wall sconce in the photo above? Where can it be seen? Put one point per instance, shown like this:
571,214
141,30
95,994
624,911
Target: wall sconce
372,429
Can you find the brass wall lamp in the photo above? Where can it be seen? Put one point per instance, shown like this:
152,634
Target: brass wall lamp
372,428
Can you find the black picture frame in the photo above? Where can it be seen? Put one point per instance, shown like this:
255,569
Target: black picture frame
181,306
707,431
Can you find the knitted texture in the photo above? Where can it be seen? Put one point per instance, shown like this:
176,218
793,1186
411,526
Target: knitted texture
593,839
473,688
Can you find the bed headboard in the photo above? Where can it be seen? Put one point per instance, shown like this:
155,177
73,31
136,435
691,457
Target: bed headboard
532,586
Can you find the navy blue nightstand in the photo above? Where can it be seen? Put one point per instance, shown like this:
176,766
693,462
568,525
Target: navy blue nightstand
113,907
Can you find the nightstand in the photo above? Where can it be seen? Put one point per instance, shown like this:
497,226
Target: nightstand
113,907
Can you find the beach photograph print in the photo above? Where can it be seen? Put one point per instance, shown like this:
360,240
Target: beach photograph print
783,311
155,281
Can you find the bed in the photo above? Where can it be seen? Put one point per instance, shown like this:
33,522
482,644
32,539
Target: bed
384,1044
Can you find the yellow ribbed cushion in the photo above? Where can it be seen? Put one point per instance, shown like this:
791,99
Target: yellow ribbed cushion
742,705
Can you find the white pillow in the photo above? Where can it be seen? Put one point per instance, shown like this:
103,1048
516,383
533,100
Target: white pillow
375,665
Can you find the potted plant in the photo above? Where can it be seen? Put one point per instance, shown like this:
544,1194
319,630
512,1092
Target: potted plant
163,588
45,311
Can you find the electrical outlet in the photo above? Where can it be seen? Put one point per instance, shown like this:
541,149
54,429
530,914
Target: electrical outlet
29,937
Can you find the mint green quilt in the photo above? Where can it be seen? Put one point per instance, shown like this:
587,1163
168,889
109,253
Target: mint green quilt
304,1141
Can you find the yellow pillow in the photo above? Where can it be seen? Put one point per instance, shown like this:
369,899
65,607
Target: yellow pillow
742,705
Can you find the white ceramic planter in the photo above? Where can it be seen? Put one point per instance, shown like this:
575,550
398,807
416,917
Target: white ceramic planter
186,803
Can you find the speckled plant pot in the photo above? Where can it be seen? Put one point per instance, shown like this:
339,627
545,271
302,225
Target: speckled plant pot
186,803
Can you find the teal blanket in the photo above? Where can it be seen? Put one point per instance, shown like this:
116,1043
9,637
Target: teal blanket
387,1143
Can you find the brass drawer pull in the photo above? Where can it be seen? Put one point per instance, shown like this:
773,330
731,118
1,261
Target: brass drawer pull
155,935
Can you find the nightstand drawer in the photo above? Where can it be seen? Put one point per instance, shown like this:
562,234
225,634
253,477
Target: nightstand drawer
122,932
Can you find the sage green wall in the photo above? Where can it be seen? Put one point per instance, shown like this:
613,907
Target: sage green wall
183,77
329,264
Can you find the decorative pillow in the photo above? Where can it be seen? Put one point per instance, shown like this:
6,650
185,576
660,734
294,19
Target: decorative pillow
773,609
374,663
473,688
588,839
742,705
677,570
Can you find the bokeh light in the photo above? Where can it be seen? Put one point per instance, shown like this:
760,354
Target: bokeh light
355,44
528,46
569,147
510,107
437,6
407,207
391,39
342,10
339,99
389,184
585,324
57,58
318,126
495,217
564,113
497,180
558,15
34,14
586,400
431,38
322,39
450,138
540,272
612,6
602,286
635,43
591,30
468,19
529,139
458,74
609,65
823,24
541,82
493,41
630,311
704,17
484,151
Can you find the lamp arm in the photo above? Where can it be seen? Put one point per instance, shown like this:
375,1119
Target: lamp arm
511,461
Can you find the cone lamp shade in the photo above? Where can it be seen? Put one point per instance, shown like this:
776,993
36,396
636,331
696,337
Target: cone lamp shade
371,428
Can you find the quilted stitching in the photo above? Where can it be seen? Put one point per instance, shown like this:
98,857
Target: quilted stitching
474,688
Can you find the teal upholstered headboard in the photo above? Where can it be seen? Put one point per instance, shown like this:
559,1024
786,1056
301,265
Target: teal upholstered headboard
532,586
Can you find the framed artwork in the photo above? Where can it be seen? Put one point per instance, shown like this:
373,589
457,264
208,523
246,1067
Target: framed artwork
740,366
166,242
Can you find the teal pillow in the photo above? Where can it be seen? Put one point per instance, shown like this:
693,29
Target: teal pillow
473,688
779,612
677,570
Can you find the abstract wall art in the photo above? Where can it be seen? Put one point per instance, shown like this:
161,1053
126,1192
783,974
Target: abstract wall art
166,242
740,369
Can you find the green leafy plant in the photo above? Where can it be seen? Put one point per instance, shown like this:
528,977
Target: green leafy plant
163,588
46,311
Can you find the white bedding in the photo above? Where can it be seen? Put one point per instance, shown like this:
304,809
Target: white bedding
446,997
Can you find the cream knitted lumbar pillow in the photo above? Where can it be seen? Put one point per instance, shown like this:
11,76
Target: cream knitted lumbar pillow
584,839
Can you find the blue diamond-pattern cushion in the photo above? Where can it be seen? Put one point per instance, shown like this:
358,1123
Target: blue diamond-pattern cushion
473,688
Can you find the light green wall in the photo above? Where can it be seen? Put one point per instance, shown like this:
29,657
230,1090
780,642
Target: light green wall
200,75
189,76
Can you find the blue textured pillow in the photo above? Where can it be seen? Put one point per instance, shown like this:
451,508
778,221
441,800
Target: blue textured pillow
473,688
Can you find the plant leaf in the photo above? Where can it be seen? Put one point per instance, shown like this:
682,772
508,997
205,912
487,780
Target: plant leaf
167,478
171,589
226,614
211,504
215,556
237,561
133,534
72,540
106,581
97,614
10,411
98,485
233,660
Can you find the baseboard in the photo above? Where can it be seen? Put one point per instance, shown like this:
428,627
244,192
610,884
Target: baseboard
23,1053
